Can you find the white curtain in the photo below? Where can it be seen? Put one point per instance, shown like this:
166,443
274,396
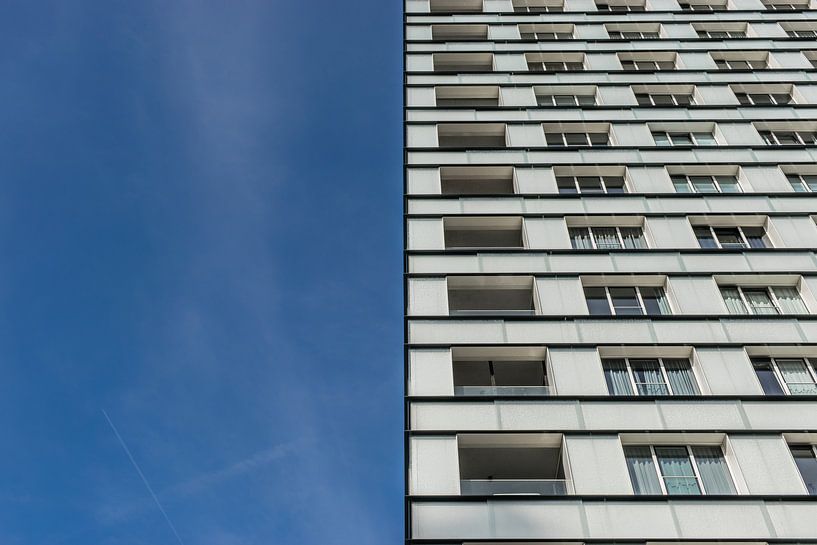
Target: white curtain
642,470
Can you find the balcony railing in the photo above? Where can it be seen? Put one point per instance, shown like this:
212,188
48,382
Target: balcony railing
523,487
502,390
496,312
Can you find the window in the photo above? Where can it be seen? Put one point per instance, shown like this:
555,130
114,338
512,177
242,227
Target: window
555,62
590,184
705,184
663,99
665,138
566,100
786,5
607,238
537,6
647,65
805,457
634,31
752,99
649,376
731,237
786,376
561,139
632,34
546,32
799,31
763,300
678,470
737,63
789,138
803,183
618,6
701,6
626,300
647,61
704,33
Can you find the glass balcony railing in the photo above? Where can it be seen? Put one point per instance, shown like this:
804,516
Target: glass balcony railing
497,312
524,487
502,390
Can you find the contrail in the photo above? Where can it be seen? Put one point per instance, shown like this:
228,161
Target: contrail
142,476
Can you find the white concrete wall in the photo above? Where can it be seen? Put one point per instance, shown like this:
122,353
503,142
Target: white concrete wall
433,466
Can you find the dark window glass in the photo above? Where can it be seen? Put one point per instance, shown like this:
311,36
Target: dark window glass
625,301
597,301
705,238
655,303
807,464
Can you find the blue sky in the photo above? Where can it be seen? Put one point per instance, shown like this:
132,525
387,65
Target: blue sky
200,230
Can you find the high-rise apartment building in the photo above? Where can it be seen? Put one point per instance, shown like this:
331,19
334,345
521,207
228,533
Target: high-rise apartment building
611,279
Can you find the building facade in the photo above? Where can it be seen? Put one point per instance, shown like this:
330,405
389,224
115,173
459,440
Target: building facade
611,279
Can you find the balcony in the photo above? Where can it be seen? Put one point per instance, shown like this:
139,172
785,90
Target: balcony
490,296
512,464
472,136
500,371
476,180
488,232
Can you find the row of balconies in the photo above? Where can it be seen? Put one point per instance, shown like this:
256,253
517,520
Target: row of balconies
557,135
529,464
612,295
620,232
647,95
652,371
646,30
603,6
597,180
630,61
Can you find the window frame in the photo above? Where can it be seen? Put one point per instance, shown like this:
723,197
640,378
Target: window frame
602,184
664,376
715,182
806,32
705,7
675,101
725,64
634,34
632,65
728,34
639,297
744,239
619,236
553,104
813,447
811,369
769,292
619,8
693,462
585,133
768,135
566,66
773,101
690,134
805,187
